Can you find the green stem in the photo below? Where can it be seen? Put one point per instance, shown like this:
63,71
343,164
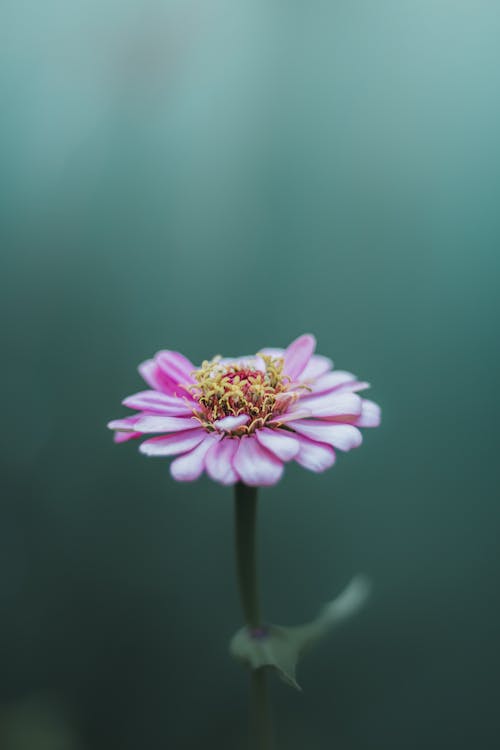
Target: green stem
262,720
245,500
245,520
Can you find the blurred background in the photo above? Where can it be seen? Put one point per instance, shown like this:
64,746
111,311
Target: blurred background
215,177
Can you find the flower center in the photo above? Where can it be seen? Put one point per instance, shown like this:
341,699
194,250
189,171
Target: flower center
231,389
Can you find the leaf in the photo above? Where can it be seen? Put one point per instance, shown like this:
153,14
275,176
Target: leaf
281,647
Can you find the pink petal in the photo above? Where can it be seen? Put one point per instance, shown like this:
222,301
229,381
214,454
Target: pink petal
165,424
331,380
259,364
252,361
158,402
334,405
353,387
317,366
175,366
342,436
125,429
124,425
272,351
294,413
314,456
246,360
219,461
227,424
190,466
155,378
298,354
171,445
370,414
255,465
122,437
282,444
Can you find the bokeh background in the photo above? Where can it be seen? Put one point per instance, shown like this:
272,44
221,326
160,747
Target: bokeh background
215,177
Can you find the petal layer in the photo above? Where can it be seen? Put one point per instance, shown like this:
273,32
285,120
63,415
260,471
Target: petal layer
282,444
127,424
122,437
175,366
341,436
152,423
314,456
331,380
317,366
219,461
255,465
172,445
226,424
334,405
370,414
158,402
155,378
272,351
298,354
190,466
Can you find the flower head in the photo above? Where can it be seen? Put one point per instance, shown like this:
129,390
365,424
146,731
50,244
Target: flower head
243,418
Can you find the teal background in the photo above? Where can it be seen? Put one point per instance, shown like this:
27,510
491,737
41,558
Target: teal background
215,178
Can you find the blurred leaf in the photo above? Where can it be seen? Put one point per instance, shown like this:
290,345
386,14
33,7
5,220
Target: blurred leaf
281,647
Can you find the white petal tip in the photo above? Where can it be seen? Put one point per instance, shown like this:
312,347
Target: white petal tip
226,424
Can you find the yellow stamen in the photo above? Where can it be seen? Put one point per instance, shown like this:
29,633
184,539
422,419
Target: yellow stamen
235,388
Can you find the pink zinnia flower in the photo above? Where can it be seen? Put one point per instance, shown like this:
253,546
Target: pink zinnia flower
243,418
